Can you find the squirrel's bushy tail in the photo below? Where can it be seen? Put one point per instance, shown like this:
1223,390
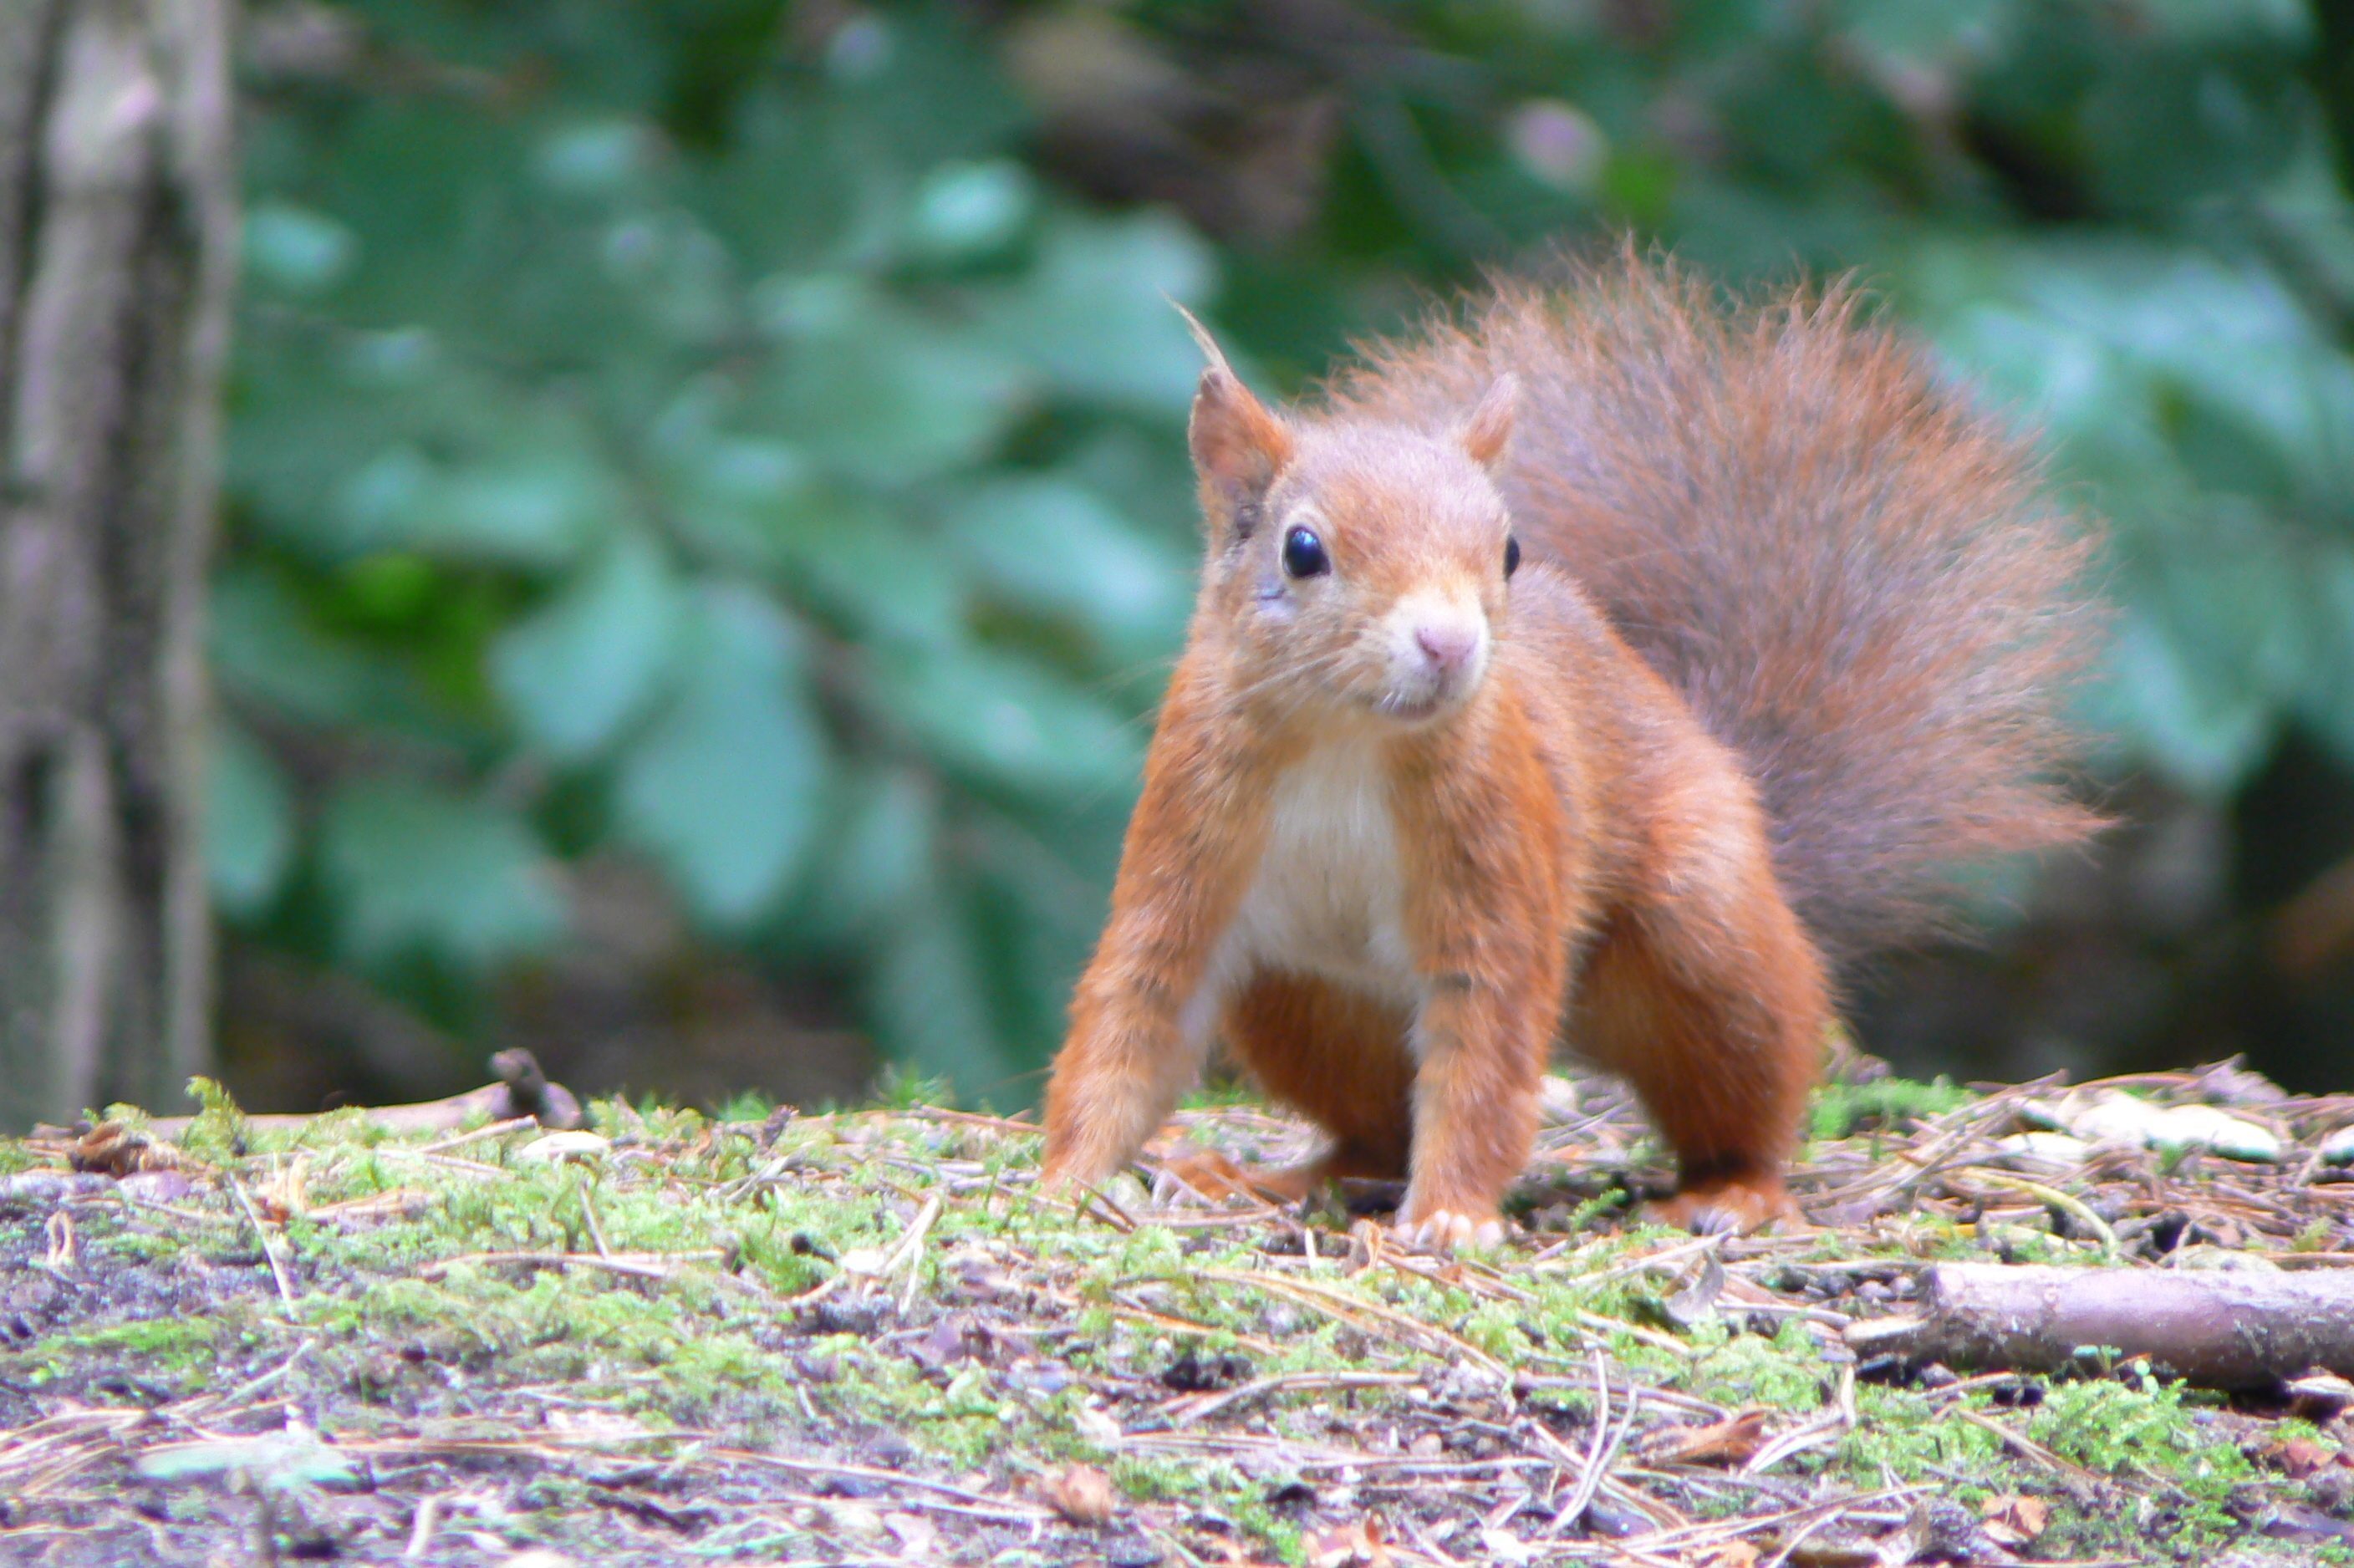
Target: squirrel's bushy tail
1856,580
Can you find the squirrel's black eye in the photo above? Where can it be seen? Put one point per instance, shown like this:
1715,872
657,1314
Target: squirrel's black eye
1512,555
1303,554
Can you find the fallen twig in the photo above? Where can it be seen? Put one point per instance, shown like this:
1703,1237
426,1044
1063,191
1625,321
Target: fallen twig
1183,1414
522,1094
2230,1328
642,1266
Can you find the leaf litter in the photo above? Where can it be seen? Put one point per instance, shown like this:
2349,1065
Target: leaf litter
863,1337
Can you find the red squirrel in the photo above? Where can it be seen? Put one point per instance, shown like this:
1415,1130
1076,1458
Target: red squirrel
1610,667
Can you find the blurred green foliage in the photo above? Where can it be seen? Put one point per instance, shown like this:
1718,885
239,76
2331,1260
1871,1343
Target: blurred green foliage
747,440
745,464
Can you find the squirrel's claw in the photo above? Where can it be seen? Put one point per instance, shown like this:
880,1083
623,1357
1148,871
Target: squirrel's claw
1728,1208
1444,1231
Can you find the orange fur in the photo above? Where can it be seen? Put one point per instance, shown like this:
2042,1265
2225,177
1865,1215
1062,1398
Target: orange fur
1360,1090
1785,639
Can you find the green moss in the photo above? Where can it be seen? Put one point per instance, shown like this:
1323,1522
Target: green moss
2144,1430
159,1343
1841,1110
1786,1373
398,1315
218,1130
900,1090
744,1106
181,1351
1903,1434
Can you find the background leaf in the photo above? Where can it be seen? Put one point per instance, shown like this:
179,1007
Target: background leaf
723,788
249,823
416,869
576,669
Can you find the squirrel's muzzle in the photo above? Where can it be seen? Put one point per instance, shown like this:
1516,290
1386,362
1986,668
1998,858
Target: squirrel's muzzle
1437,651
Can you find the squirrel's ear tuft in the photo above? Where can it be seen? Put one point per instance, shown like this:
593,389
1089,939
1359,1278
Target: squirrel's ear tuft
1487,430
1238,444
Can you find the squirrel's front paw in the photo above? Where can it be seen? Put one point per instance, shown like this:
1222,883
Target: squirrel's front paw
1446,1231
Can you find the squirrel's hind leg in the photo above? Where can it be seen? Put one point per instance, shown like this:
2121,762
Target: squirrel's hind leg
1716,1014
1340,1059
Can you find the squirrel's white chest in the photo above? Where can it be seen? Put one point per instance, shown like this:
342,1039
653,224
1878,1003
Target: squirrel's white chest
1329,898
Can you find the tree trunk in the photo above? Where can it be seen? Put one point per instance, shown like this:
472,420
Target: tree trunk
116,247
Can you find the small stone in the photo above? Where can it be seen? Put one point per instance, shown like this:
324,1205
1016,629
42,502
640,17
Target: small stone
2055,1149
1193,1373
2320,1397
1557,1099
834,1316
2124,1120
2233,1138
554,1146
891,1448
856,1518
1083,1494
155,1186
1614,1521
49,1186
2338,1148
1502,1546
917,1537
851,1486
864,1261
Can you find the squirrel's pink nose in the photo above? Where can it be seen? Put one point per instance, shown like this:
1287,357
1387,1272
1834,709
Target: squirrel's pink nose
1449,644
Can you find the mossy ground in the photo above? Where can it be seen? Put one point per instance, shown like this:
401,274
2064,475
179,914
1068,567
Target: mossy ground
861,1337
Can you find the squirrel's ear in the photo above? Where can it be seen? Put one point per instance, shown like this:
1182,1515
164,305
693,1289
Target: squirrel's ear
1238,444
1487,430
